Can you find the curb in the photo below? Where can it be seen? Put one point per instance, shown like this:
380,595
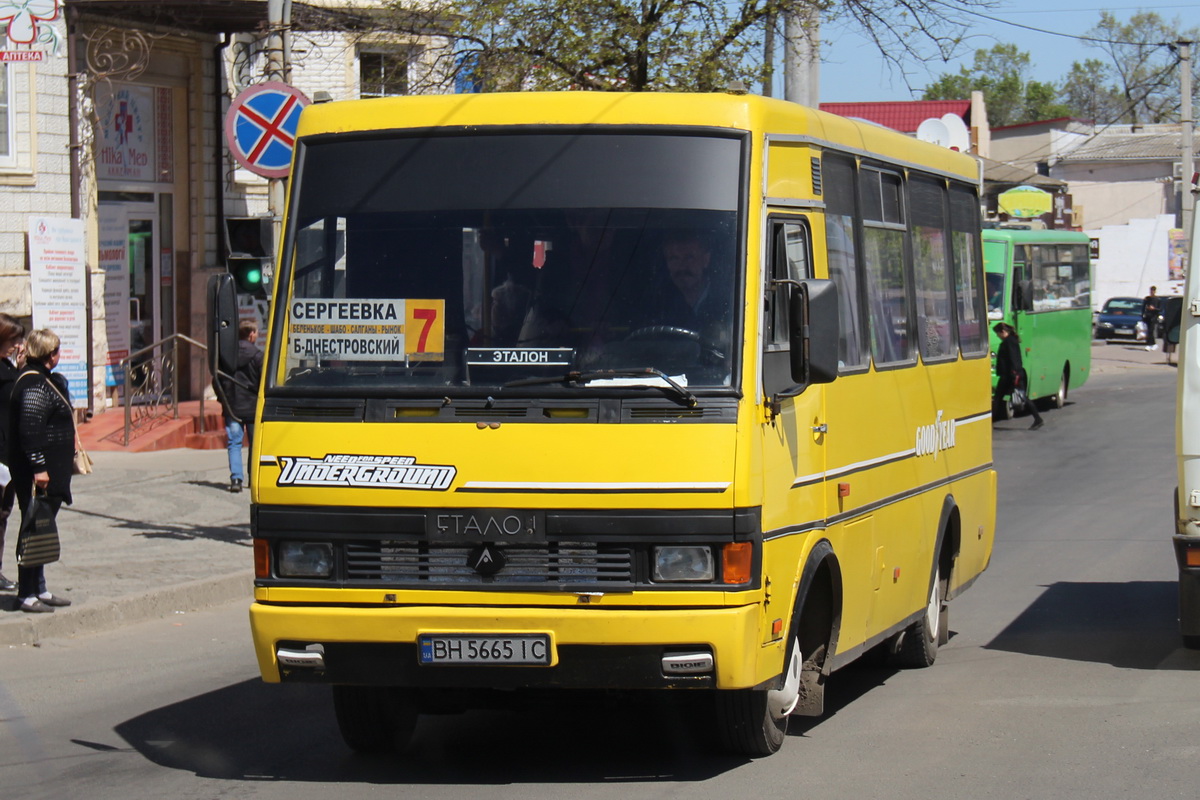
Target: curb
107,615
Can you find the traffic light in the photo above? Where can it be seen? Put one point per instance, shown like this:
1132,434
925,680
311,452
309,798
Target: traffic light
250,243
248,274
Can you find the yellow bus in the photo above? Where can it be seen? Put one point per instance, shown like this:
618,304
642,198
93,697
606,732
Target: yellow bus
616,391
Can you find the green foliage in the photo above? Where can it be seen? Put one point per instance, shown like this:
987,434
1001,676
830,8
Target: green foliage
661,45
1140,82
1001,74
1137,82
1089,94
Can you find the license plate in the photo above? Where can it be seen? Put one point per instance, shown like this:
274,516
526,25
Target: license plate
462,648
1124,330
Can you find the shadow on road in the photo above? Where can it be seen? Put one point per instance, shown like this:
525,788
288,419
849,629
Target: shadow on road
1128,625
254,731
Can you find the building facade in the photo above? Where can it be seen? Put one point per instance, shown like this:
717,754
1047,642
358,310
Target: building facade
113,114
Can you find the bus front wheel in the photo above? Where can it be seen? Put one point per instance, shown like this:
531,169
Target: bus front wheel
747,723
375,719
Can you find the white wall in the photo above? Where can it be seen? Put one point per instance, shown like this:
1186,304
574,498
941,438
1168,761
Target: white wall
38,182
1133,258
1116,193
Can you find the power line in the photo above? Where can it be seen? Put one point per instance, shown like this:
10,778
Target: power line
1080,10
1043,30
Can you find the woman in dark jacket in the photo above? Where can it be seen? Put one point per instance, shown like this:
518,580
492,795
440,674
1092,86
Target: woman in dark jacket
41,440
1009,370
12,334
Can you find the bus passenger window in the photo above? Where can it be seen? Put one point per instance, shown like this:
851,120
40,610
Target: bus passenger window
964,244
886,276
838,175
936,337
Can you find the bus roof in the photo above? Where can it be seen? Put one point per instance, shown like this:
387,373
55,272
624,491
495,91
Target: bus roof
1026,236
715,110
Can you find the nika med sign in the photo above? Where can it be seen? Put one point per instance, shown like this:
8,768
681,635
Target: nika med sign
126,147
30,29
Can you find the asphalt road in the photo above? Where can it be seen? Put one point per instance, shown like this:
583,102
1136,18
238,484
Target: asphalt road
1064,678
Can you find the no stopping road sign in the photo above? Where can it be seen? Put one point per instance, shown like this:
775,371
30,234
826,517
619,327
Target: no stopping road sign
260,127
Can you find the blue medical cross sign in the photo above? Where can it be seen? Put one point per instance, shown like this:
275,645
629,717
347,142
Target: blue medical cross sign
260,127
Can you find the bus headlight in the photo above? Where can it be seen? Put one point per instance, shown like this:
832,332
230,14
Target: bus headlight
305,560
683,563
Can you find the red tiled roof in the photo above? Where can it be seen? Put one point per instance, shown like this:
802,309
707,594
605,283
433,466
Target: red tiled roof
903,116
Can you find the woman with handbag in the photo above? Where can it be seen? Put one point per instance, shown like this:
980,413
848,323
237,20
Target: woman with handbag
41,441
1009,372
12,334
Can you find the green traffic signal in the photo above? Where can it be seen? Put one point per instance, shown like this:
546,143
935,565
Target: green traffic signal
247,274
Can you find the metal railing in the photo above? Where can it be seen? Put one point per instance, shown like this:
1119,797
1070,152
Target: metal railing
152,384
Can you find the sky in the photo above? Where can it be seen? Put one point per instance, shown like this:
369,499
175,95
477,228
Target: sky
852,71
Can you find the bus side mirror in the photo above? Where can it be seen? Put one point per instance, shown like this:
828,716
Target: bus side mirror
222,324
814,331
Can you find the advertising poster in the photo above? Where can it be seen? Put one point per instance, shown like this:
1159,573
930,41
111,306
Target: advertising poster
114,260
57,278
1177,254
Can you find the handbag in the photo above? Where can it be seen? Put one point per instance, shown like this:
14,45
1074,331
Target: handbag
82,465
37,542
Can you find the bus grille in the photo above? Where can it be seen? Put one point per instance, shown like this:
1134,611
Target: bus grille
399,563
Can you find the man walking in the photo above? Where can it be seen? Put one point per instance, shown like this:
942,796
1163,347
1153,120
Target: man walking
239,396
1151,308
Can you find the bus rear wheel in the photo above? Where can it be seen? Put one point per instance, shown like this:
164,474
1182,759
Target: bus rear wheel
375,719
1060,399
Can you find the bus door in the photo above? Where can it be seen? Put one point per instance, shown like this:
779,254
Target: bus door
793,443
1023,320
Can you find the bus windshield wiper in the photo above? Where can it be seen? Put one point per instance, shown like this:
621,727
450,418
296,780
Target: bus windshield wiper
675,389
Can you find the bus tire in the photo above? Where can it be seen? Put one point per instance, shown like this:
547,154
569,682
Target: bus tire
916,647
1003,410
375,719
1189,609
746,725
1060,399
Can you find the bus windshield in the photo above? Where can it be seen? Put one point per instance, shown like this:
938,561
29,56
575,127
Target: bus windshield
508,260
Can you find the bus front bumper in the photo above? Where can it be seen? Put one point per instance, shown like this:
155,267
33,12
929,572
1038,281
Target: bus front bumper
590,648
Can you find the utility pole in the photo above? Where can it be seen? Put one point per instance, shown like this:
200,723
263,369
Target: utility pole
279,68
769,57
1187,119
802,56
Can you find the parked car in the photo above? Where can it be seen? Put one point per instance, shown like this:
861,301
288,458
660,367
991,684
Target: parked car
1120,318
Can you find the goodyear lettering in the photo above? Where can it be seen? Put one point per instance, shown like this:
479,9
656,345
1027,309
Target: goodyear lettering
361,471
938,436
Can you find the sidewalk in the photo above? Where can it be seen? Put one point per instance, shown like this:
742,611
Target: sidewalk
149,535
